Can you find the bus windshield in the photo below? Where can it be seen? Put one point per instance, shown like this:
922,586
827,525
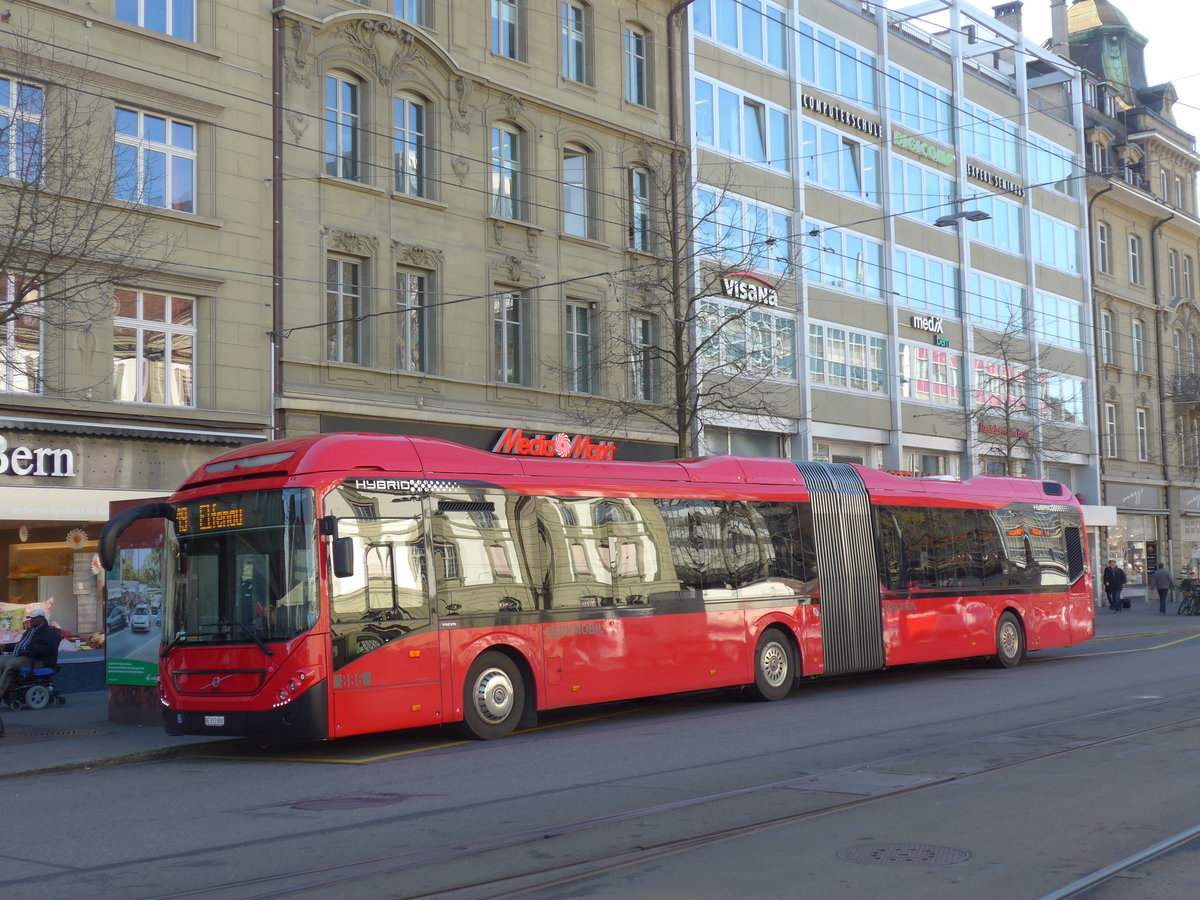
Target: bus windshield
242,569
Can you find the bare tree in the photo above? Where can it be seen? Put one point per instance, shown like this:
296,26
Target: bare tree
1016,406
676,355
66,241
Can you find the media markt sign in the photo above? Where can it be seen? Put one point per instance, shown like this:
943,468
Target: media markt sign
749,288
514,443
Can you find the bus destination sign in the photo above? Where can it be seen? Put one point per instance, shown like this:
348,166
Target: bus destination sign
514,443
208,516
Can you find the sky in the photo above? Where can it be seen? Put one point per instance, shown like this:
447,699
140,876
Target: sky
1171,28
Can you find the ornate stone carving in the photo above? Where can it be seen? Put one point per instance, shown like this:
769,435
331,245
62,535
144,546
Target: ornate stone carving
516,268
421,257
531,236
351,242
297,62
461,167
514,106
298,123
385,47
460,114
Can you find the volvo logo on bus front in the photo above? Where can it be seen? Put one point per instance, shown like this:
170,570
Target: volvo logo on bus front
514,443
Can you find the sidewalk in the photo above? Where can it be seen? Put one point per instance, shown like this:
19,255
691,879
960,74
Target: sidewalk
79,734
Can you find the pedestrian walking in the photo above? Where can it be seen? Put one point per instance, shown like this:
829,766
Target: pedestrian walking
1114,583
1163,582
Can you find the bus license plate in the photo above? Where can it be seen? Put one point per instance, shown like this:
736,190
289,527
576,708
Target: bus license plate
214,721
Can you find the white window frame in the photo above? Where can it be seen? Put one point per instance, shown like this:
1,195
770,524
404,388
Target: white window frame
637,45
1108,350
1138,336
1111,447
577,218
507,172
1135,259
178,167
21,367
345,310
343,135
169,330
642,385
414,330
579,331
511,311
641,235
135,12
506,28
1143,434
22,107
575,63
410,151
1103,250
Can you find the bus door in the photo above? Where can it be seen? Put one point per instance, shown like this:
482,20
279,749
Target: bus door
383,637
851,614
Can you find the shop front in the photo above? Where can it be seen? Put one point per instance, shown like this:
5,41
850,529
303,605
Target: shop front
1141,530
57,481
1189,535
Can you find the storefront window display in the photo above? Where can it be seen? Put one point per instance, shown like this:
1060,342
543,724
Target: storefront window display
1127,545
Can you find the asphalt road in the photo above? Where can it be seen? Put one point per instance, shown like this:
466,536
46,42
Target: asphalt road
951,781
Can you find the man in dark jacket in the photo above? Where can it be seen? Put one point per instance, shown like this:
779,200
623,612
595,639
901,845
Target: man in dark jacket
38,644
1114,583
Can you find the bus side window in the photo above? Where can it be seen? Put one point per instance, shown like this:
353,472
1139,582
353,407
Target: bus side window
891,571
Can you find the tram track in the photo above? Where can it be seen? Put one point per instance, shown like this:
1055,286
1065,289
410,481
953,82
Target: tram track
420,864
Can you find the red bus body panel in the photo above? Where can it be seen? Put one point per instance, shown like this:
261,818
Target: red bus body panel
419,680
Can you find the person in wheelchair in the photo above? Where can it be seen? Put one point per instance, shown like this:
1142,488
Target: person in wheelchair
38,646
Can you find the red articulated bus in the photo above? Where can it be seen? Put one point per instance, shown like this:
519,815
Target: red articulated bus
343,584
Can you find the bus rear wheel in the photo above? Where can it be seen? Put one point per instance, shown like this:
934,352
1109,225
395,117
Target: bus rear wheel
774,667
493,697
1010,643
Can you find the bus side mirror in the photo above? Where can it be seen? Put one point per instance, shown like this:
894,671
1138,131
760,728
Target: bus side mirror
343,557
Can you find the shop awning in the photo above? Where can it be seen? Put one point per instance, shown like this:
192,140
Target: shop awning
25,505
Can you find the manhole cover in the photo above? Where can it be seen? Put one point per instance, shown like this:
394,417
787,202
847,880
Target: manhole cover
350,802
903,854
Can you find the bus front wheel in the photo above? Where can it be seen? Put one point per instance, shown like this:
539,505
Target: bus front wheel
493,697
774,667
1010,643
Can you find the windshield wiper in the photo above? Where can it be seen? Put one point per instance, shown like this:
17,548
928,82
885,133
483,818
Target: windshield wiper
250,631
175,642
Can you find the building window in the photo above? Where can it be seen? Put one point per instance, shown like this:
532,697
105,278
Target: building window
742,126
413,332
1143,435
641,357
1096,156
506,187
511,319
926,283
1108,351
154,338
1110,430
576,196
840,358
1103,250
574,41
930,375
837,66
1139,346
843,259
506,28
155,160
1180,194
1187,278
342,127
751,342
21,107
410,11
579,347
409,145
1135,259
1173,273
637,66
756,29
743,233
1055,243
639,210
840,163
919,192
1163,181
21,336
176,18
344,309
997,303
919,105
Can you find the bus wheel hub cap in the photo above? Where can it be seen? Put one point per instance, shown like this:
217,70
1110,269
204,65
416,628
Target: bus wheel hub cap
493,695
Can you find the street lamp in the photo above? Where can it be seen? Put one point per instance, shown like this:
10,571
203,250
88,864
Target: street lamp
971,215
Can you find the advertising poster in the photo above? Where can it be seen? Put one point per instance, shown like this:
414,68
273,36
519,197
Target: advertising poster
133,604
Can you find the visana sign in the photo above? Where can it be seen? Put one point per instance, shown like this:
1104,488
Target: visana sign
749,288
514,443
37,461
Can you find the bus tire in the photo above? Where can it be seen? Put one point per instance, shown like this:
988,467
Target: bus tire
774,667
1010,643
493,696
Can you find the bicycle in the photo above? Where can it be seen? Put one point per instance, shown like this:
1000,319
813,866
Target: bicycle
1190,604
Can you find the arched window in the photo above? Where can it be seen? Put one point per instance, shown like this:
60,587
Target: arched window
343,151
409,144
577,192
